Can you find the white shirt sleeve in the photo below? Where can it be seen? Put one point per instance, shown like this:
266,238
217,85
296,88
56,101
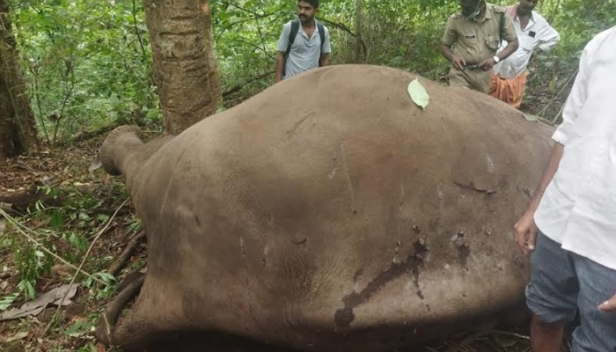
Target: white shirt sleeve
548,36
576,98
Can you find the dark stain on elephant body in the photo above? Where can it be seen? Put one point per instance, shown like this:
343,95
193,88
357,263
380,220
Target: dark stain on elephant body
344,317
319,214
463,253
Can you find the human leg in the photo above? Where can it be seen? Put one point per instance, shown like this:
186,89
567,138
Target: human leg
458,78
546,337
551,294
480,80
597,330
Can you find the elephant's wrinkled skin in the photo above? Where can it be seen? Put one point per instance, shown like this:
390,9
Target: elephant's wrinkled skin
330,213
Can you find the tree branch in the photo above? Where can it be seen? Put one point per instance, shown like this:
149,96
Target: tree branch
64,102
145,57
348,30
238,87
256,46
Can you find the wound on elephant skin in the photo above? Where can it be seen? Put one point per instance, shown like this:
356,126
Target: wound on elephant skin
463,253
345,316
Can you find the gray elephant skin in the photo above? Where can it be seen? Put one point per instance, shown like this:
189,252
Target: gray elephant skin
330,212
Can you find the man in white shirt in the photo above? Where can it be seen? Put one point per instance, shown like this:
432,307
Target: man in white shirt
534,34
570,223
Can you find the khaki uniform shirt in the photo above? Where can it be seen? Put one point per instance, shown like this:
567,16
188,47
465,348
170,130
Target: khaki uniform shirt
475,41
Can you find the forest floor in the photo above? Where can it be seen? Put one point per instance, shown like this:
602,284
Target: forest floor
78,209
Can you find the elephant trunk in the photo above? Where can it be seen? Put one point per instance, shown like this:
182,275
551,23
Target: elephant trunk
123,153
118,148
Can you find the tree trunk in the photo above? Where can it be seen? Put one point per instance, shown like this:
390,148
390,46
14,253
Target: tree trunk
17,124
184,61
358,30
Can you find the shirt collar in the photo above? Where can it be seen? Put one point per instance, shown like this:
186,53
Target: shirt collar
487,15
531,17
316,27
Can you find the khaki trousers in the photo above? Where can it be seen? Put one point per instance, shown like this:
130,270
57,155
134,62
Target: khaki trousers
476,79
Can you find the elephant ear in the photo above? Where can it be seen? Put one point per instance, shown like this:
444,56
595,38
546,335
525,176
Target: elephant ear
110,152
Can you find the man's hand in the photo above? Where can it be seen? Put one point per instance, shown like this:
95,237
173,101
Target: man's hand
487,64
458,62
609,306
526,232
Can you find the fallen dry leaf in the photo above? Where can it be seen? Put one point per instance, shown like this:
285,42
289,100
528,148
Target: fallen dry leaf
62,270
37,305
18,336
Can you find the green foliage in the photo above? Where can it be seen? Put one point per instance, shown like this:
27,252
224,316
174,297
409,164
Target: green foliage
552,74
404,34
67,232
79,328
246,34
31,262
6,301
89,63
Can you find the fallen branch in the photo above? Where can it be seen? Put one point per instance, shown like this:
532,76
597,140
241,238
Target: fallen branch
83,261
118,265
20,201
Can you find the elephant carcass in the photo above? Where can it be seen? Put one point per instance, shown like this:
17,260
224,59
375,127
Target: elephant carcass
330,213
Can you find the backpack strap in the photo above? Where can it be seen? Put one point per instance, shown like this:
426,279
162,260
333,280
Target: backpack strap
292,35
321,29
501,32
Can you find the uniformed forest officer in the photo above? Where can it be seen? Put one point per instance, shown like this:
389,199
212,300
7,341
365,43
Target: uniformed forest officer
471,41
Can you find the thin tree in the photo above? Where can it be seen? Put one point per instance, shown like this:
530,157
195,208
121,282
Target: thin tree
17,124
358,32
184,63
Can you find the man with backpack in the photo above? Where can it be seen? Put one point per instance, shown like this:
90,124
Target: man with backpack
304,43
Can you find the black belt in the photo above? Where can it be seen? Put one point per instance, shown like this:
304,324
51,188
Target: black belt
473,67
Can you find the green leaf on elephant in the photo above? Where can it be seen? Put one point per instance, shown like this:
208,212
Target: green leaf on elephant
531,118
419,94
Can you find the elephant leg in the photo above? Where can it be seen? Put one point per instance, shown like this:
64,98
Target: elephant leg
107,323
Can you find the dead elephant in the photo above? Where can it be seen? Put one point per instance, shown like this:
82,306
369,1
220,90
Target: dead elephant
330,213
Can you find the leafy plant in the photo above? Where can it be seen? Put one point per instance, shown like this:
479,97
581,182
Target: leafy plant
31,263
7,301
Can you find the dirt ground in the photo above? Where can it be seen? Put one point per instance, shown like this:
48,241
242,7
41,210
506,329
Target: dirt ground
66,168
